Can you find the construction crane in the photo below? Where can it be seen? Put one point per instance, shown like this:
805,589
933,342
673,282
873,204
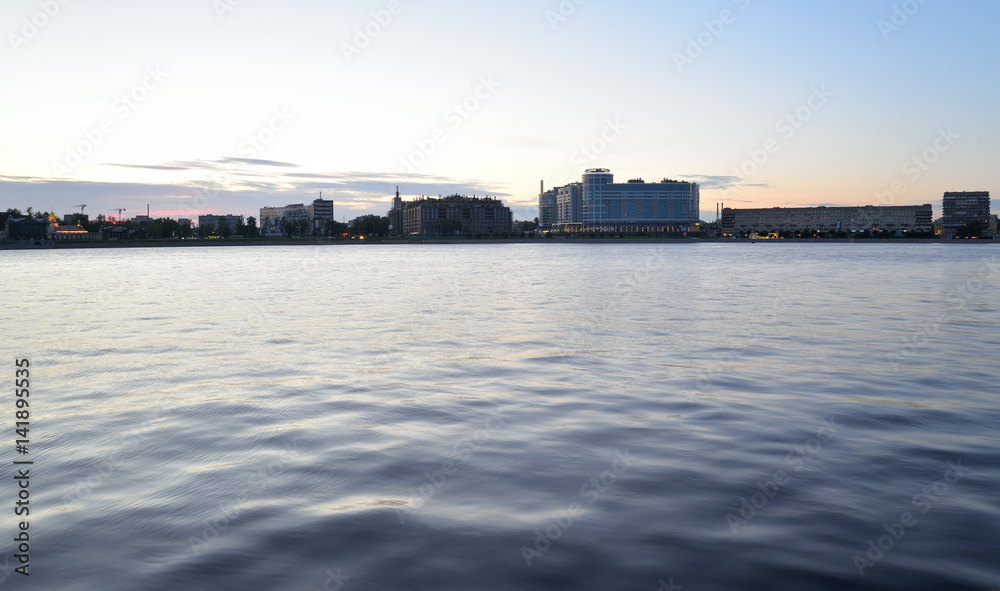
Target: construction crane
82,207
119,210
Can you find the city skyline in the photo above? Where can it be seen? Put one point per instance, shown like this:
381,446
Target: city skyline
225,106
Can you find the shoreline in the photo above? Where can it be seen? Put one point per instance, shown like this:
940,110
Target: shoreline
443,241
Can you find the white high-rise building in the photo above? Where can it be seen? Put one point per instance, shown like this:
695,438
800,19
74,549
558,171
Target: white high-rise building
637,204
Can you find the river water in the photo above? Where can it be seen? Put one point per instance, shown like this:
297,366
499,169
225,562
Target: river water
507,417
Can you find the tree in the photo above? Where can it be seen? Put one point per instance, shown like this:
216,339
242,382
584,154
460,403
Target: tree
252,230
525,226
205,230
370,225
241,227
296,228
185,229
334,228
224,230
164,228
10,213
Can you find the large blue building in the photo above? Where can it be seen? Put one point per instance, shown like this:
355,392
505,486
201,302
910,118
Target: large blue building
600,204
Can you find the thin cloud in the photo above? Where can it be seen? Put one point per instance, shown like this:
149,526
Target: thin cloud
147,166
723,182
255,162
239,190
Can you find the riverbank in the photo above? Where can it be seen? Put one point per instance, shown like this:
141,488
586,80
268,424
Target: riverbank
75,245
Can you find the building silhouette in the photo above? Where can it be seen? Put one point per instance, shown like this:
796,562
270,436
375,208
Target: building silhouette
965,213
547,207
428,216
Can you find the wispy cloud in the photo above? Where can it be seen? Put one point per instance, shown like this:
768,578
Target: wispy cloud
233,185
148,166
722,182
256,162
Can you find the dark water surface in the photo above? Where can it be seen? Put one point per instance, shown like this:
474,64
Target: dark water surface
509,417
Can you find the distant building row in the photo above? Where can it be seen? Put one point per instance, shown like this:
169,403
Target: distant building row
451,215
962,212
36,229
905,218
598,203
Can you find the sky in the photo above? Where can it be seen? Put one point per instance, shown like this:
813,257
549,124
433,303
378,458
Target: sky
226,106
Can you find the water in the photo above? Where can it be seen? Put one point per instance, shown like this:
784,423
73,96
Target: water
712,416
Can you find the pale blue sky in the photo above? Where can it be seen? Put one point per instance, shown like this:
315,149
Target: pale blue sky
349,127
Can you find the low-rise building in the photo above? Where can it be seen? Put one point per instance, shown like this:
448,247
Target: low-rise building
272,219
214,221
116,232
71,232
19,229
471,215
898,219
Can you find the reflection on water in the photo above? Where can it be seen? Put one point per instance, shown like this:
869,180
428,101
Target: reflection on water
549,416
